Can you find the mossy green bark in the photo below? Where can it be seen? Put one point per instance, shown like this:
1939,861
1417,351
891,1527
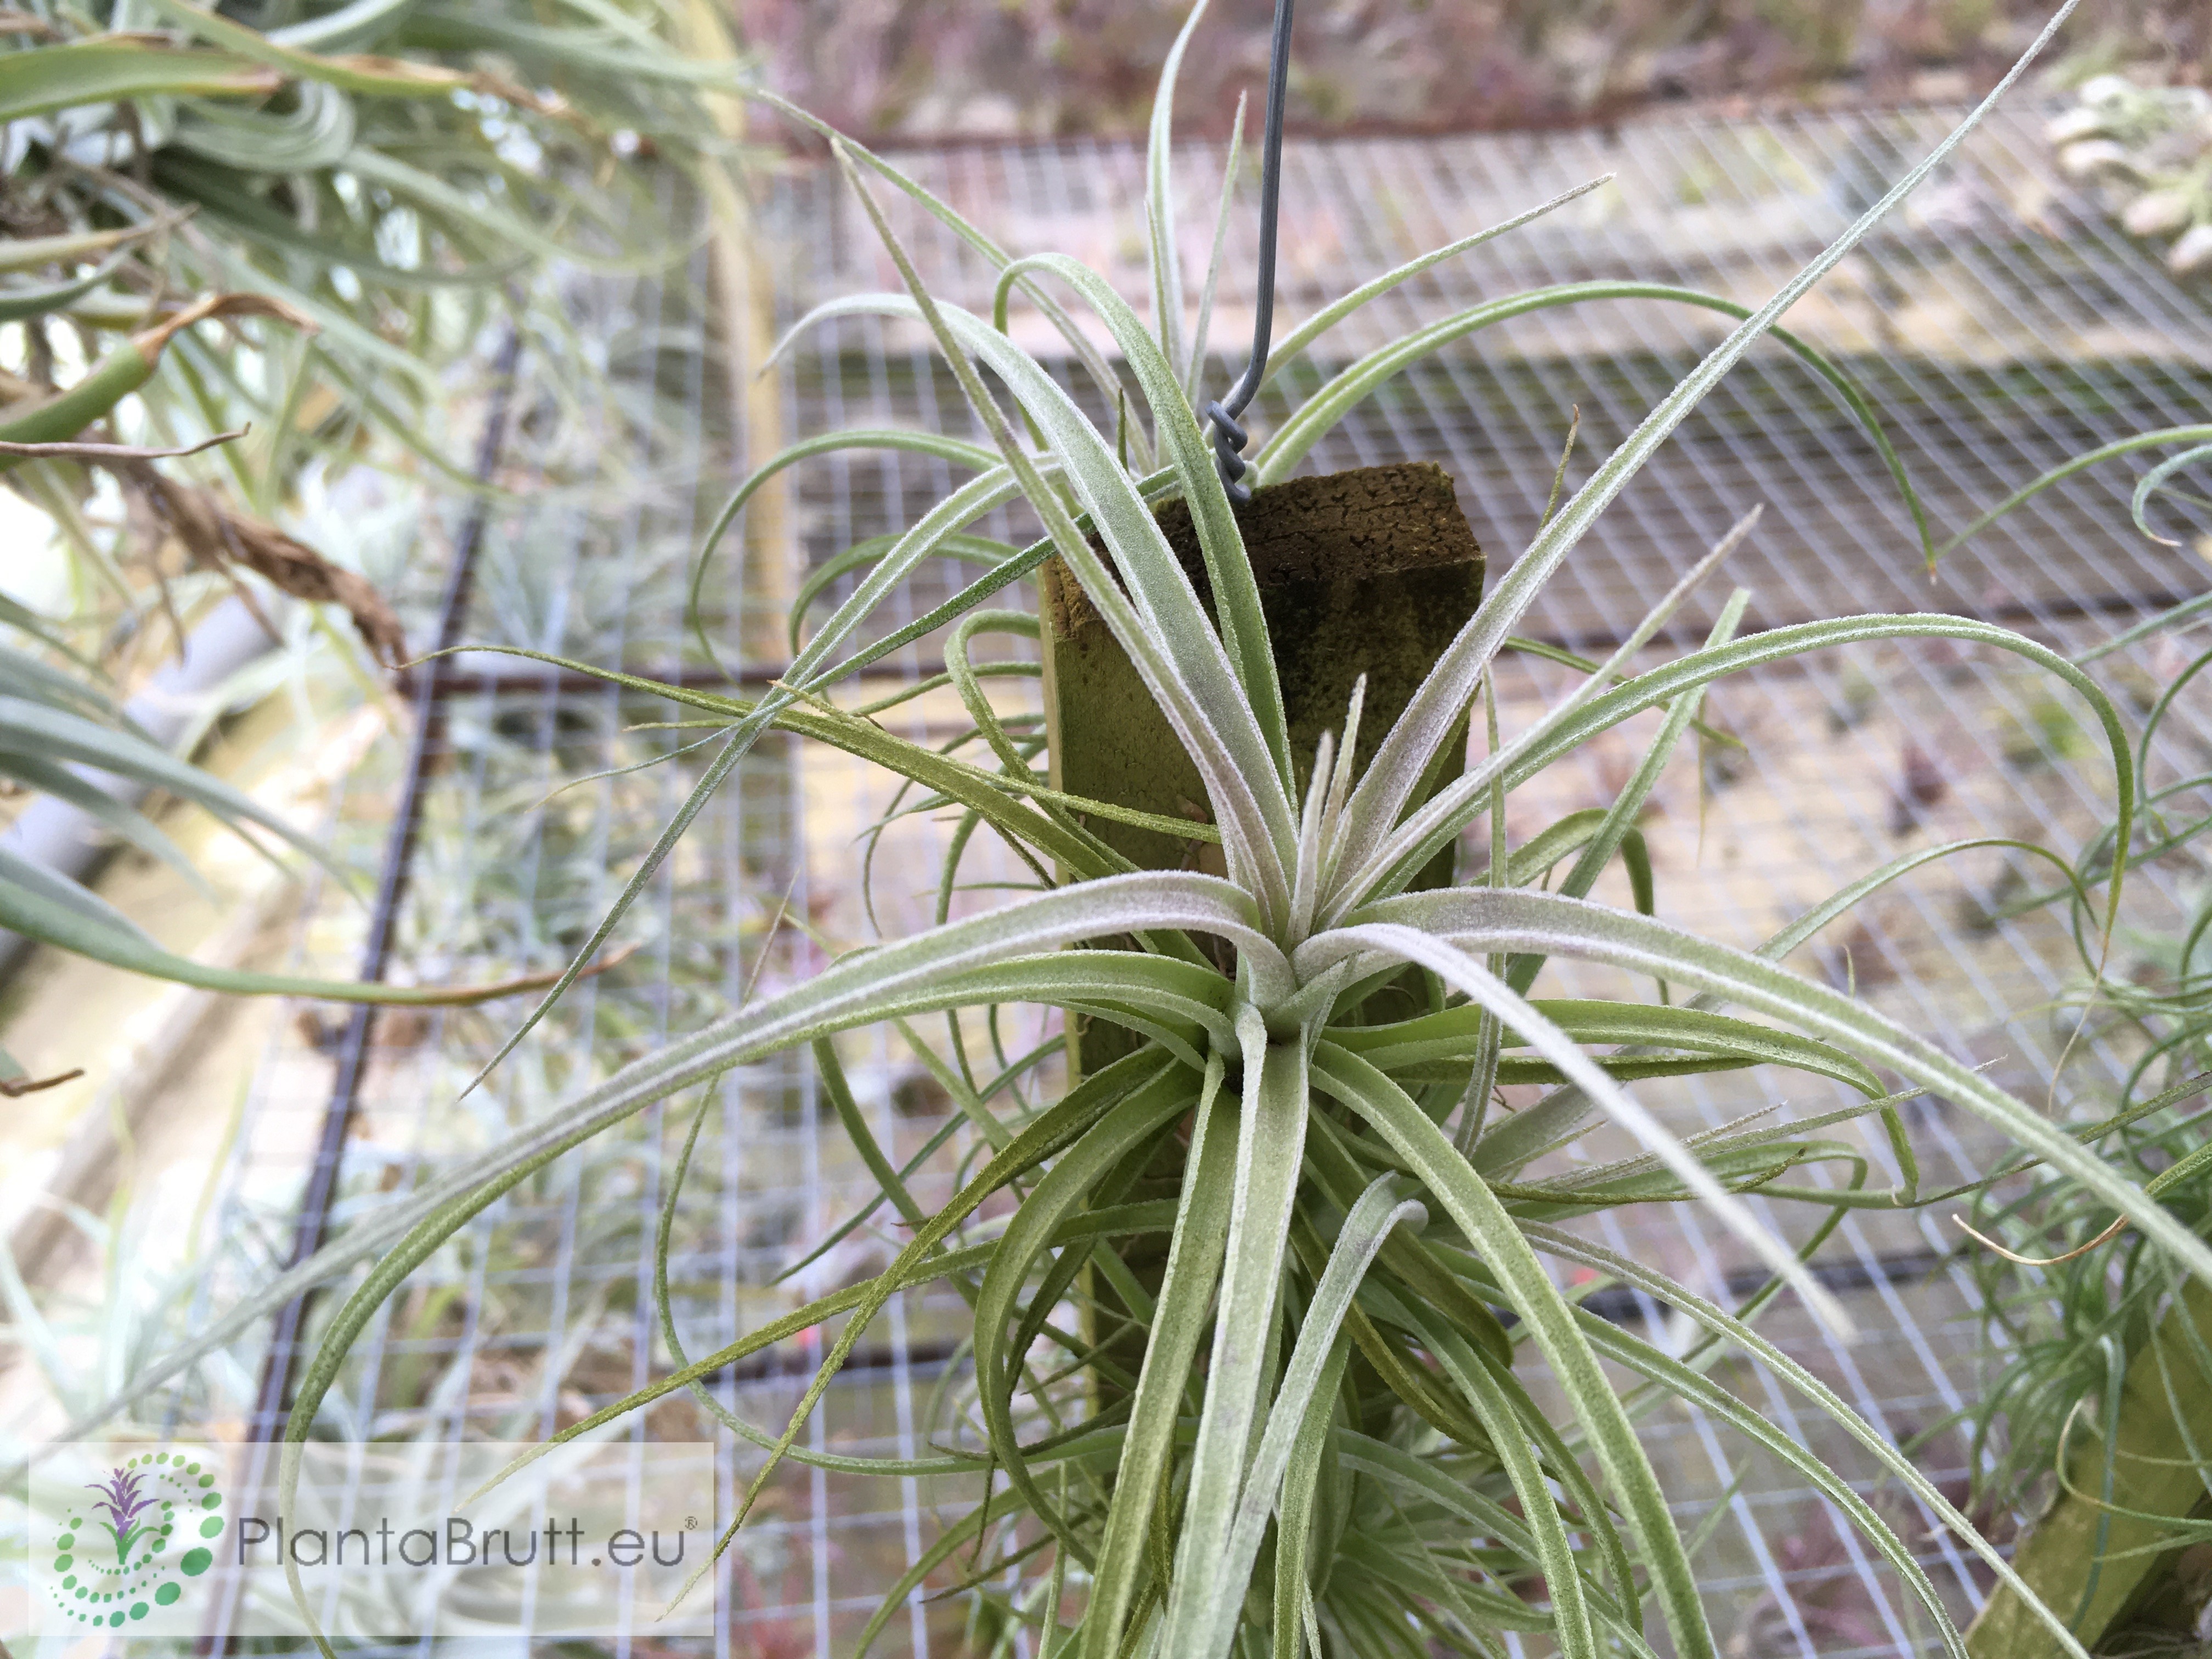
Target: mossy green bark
1369,572
2136,1585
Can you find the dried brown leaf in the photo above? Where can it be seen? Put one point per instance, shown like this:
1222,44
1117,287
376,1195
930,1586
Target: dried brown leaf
220,538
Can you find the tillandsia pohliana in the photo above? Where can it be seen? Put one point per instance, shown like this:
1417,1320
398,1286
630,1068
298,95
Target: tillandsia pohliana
1327,1440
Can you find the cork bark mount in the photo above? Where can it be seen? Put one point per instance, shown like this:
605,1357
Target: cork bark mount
2122,1592
1372,571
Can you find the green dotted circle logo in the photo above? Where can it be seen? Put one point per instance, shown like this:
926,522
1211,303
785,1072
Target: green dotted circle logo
136,1542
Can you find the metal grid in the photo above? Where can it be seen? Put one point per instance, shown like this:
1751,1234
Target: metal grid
2025,345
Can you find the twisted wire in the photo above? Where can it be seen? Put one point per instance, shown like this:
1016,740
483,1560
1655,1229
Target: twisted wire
1228,436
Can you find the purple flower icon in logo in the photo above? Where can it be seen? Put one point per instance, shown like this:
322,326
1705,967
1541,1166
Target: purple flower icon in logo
123,1495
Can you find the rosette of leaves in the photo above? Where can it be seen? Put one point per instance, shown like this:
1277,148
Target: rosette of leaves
1318,1432
2149,149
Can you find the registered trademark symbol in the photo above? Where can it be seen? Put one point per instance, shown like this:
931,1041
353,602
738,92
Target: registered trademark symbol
690,1522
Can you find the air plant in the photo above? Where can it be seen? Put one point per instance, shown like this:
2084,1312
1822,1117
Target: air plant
2086,1428
1317,1431
2089,1426
2092,1339
352,193
2149,149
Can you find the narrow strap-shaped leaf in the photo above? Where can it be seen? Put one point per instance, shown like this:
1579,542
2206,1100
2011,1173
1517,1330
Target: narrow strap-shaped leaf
1187,667
99,71
953,1265
1166,257
1407,1381
1406,1255
1242,622
1294,1590
351,27
1196,367
1032,556
1408,1305
1158,622
18,303
1490,1035
1434,710
940,1549
1382,1207
1421,1480
1267,1158
1514,1141
2155,480
1563,1576
1497,1237
1620,817
964,505
2173,617
42,903
1557,1242
1453,1035
1058,1279
855,1125
1464,972
972,550
2129,445
985,793
1079,344
1486,919
43,732
1017,624
1320,414
1441,820
851,992
725,762
1377,868
858,1218
1291,345
1044,1138
1066,1187
1193,1265
958,451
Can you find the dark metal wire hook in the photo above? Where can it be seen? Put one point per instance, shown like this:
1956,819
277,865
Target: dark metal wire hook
1229,438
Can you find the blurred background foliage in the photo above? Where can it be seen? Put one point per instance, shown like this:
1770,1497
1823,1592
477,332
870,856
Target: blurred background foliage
255,263
391,178
926,68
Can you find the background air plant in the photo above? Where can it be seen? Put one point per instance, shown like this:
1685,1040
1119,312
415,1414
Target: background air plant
2149,150
1363,1416
253,253
2089,1430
